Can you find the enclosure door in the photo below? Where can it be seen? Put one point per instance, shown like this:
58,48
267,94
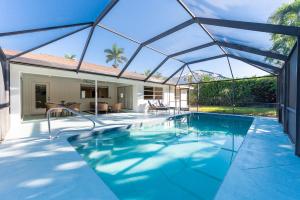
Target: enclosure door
40,96
184,93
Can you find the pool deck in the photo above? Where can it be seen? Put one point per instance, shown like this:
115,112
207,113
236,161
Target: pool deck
32,167
265,166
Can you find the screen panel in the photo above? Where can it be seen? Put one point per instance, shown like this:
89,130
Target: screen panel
166,70
182,77
244,70
64,53
107,52
175,79
186,38
31,14
245,10
201,54
212,70
143,64
20,43
187,77
255,39
255,57
143,20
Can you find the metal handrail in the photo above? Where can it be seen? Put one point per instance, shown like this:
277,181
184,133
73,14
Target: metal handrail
69,130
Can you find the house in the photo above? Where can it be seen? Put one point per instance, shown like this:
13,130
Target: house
40,78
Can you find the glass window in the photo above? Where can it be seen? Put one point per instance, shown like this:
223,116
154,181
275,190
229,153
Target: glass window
40,95
88,91
186,38
103,92
107,52
143,20
244,10
33,14
201,54
18,43
151,93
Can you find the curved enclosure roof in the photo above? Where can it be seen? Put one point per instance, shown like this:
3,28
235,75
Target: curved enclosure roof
167,42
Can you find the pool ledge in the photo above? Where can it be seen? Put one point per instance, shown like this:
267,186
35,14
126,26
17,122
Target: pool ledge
265,166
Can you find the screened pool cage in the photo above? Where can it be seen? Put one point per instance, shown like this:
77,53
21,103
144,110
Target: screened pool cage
175,42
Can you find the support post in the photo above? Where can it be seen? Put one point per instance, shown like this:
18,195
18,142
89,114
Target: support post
175,99
297,143
278,97
179,110
169,98
232,86
286,96
198,97
96,98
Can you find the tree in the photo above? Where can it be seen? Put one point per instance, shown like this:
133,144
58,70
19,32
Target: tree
70,56
157,75
289,15
206,78
116,55
147,72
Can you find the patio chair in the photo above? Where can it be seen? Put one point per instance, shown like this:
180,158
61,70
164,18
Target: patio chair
55,112
156,108
117,107
73,106
162,105
102,107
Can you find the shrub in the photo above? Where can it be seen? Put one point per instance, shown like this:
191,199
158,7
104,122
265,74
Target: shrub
246,92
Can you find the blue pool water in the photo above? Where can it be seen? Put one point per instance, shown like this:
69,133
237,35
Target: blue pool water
186,157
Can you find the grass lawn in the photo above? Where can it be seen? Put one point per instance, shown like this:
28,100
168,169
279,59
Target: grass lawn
269,112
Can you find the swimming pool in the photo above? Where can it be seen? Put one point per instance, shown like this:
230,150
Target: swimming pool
185,157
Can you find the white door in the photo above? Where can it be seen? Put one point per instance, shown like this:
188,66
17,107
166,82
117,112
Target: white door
122,96
125,96
184,98
40,96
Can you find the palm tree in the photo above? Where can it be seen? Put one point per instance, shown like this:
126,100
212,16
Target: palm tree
147,72
157,75
287,14
70,56
116,55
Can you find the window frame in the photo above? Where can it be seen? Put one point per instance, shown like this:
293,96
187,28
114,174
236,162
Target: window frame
93,92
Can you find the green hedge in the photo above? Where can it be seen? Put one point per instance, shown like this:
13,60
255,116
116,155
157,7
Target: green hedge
247,92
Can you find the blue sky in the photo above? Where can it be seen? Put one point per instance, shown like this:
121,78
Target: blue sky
141,20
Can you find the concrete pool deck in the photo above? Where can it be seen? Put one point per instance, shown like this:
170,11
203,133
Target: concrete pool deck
32,167
265,166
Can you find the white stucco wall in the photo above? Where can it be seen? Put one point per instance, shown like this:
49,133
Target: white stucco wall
4,112
139,104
